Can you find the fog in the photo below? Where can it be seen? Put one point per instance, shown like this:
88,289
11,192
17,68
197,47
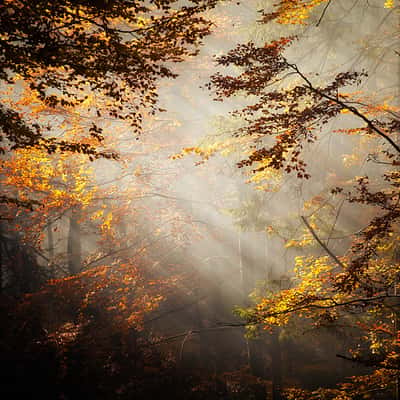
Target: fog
217,239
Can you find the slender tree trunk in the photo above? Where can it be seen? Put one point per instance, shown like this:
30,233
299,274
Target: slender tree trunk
254,347
1,266
50,241
241,267
74,247
3,255
276,357
243,285
275,346
396,259
218,338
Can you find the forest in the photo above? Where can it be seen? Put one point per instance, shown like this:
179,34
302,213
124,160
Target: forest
200,199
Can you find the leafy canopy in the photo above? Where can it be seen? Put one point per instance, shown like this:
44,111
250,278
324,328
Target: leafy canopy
116,49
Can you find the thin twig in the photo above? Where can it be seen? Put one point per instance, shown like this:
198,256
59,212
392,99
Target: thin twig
346,106
322,244
323,12
334,223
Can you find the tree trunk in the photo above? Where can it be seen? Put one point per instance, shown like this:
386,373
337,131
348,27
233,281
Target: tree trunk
50,242
74,247
396,259
276,366
254,347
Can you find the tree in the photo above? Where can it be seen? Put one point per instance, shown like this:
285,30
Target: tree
111,268
290,110
70,70
116,49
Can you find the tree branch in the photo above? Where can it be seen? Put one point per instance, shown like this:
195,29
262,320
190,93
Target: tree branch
323,12
322,244
345,106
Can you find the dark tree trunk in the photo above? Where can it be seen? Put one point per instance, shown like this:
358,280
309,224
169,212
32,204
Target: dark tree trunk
50,241
276,365
74,247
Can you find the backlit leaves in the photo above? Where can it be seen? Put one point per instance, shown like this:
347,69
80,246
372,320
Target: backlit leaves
63,50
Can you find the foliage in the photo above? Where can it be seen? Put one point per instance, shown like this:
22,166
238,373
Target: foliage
289,111
95,270
79,80
116,49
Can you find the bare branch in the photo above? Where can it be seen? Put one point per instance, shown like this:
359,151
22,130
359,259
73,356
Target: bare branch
345,106
322,244
323,12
